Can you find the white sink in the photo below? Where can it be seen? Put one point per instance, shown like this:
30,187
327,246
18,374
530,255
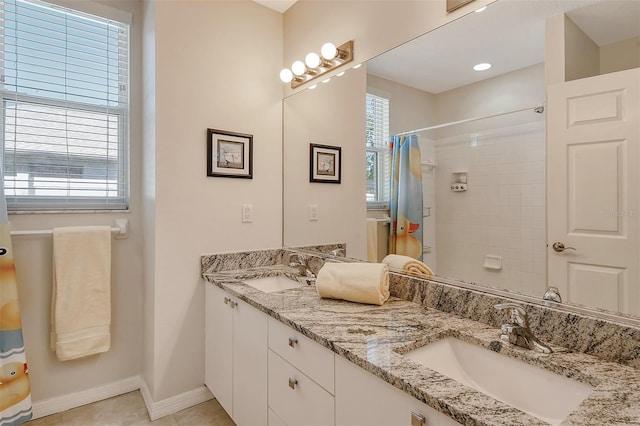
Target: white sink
273,283
541,393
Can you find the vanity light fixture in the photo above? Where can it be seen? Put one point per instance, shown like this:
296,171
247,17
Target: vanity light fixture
482,67
314,65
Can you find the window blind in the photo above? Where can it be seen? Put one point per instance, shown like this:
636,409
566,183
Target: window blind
65,108
378,157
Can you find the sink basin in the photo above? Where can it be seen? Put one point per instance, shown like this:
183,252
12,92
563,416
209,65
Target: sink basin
272,283
541,393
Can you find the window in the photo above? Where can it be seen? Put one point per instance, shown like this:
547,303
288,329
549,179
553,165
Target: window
64,79
377,151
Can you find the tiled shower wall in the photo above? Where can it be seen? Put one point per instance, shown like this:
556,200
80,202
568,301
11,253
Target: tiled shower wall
502,213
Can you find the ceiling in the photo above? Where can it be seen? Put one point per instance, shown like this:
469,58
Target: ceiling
279,5
509,34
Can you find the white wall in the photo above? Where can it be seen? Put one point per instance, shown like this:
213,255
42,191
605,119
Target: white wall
332,114
622,55
582,55
51,378
503,211
215,65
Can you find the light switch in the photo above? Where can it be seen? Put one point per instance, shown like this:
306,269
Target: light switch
313,212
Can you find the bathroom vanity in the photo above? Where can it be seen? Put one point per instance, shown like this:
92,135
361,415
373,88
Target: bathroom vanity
322,361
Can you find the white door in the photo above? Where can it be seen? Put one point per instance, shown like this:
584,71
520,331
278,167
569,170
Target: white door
593,190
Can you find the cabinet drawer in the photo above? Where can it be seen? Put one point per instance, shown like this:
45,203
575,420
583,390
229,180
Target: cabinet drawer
295,398
303,353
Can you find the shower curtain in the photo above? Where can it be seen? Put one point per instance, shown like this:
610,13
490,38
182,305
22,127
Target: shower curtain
406,197
15,392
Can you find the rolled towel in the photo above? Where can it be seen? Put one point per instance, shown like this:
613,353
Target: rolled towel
355,282
408,265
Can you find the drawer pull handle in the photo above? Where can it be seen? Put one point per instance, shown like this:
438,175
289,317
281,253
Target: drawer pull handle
293,383
228,301
292,341
417,420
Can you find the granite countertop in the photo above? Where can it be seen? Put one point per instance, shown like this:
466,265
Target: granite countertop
374,337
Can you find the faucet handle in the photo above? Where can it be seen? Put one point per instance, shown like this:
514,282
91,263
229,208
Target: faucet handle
517,314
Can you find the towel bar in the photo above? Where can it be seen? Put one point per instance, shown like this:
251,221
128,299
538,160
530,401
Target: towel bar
120,230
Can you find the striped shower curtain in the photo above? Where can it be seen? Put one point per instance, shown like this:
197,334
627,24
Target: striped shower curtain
15,392
406,197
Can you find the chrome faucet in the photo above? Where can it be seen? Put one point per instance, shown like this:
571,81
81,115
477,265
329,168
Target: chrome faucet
552,294
302,263
517,331
338,252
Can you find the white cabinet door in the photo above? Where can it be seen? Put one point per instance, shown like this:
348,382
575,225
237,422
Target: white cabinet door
249,365
219,346
364,399
236,356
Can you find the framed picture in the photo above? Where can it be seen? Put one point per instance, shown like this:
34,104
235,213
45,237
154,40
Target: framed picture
229,154
325,163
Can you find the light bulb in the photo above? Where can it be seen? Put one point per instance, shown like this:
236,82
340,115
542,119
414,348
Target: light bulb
482,67
328,51
313,87
286,75
340,74
312,60
298,68
327,80
355,67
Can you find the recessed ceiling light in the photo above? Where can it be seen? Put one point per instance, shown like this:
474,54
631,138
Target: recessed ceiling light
482,67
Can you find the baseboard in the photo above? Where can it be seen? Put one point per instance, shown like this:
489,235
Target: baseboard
76,399
175,403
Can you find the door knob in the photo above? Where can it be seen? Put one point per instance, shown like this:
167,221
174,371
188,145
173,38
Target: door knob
559,247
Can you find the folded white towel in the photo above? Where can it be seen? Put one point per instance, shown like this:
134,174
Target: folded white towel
355,282
81,302
408,265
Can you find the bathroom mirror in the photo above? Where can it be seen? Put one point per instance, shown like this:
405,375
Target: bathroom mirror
494,233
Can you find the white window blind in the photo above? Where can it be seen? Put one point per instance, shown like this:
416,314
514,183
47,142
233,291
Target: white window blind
64,78
378,156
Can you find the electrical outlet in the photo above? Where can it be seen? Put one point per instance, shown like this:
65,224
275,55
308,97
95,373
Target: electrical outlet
313,212
247,213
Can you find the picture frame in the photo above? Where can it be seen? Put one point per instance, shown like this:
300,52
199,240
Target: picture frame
325,163
229,154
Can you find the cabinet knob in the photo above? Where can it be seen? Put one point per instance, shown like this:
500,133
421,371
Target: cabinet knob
417,420
292,341
293,383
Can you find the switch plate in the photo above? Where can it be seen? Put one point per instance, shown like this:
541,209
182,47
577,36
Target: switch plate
313,212
247,213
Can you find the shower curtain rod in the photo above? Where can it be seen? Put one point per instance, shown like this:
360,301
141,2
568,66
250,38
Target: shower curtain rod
536,108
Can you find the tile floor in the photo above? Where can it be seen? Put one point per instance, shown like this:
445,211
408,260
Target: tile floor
129,410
